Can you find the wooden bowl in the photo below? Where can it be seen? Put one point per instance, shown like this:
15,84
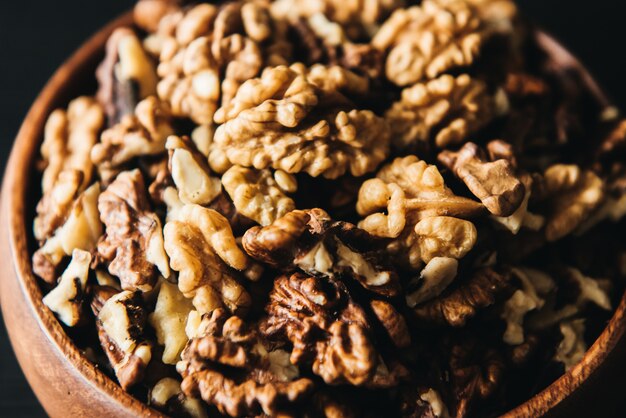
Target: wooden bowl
67,384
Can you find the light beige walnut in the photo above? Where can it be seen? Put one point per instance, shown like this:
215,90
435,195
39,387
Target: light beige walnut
207,52
167,396
169,319
574,194
66,300
121,320
493,180
444,111
436,276
333,79
259,195
126,75
271,122
409,201
359,18
202,248
529,297
191,173
68,138
573,346
142,134
426,41
81,230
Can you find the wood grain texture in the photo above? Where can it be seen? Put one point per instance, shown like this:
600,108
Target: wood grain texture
69,385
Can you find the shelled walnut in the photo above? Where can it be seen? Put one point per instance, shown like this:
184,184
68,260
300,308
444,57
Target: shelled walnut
329,331
132,245
121,319
444,111
409,201
256,382
281,116
141,133
202,249
311,241
436,37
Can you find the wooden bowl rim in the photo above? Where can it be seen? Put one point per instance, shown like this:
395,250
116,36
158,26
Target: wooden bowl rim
17,176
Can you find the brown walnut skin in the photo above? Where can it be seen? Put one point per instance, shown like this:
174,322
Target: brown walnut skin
290,239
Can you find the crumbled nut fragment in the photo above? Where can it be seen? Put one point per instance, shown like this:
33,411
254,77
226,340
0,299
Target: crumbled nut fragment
202,248
493,182
456,306
139,134
126,76
190,172
524,300
169,319
271,123
168,397
56,203
326,326
133,243
574,194
433,38
67,298
257,194
312,241
572,347
121,319
444,111
436,276
583,291
252,385
399,202
81,230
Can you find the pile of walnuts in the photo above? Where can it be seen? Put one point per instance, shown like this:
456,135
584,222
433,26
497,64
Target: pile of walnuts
332,208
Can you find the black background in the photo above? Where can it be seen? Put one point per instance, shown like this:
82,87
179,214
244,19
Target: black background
36,36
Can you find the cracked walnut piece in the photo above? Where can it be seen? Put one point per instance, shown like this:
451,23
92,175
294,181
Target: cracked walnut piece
408,200
573,195
312,241
456,306
121,320
493,182
67,298
445,111
258,195
428,40
167,396
190,172
133,242
255,380
275,121
328,329
126,76
202,248
81,230
137,135
169,319
68,138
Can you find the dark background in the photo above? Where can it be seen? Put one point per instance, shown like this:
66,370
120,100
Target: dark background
36,36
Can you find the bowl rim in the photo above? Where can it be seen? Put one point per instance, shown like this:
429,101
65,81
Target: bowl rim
14,190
